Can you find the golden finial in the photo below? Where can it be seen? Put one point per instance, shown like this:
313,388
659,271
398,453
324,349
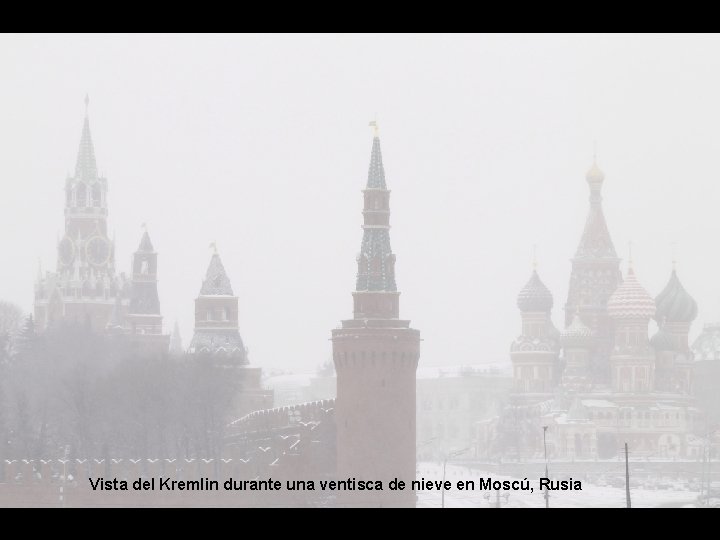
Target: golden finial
534,257
595,152
376,129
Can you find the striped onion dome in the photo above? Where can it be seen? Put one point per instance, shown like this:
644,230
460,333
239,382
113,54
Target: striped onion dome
630,300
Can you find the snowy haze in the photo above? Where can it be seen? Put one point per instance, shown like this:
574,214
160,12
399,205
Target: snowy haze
261,144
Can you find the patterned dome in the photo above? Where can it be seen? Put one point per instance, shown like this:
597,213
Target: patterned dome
707,344
595,175
535,296
662,341
576,331
674,304
630,300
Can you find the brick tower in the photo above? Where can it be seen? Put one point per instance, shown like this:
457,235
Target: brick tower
143,321
216,317
376,356
84,288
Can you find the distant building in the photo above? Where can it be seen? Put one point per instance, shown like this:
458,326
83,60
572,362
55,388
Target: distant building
601,382
706,376
453,403
217,338
85,288
294,388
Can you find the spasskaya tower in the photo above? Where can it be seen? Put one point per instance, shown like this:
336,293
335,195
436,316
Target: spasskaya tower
85,287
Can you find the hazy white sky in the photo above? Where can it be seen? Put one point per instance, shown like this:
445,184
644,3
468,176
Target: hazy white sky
261,144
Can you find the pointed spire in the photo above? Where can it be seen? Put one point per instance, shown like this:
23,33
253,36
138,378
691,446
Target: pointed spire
216,280
145,243
176,346
86,166
595,241
376,173
376,262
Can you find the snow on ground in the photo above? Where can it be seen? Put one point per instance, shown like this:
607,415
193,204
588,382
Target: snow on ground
592,495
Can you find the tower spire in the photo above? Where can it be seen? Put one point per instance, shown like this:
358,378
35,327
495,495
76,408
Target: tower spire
216,280
376,262
376,172
86,166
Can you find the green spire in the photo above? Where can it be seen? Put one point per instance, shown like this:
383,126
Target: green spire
86,167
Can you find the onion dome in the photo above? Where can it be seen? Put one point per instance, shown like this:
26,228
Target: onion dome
674,304
707,344
535,296
630,300
662,341
575,332
595,175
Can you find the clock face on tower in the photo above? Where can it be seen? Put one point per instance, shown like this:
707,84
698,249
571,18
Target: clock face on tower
66,251
97,251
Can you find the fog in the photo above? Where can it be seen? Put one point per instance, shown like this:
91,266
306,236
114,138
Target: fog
261,144
257,148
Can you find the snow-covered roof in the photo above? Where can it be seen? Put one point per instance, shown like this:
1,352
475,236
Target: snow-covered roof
436,372
599,403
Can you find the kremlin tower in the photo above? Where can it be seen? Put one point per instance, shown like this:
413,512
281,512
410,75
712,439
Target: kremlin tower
376,356
85,287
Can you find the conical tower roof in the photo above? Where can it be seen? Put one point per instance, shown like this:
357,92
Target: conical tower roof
86,166
216,280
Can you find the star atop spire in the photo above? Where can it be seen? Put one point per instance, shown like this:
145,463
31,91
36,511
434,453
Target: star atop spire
86,166
376,128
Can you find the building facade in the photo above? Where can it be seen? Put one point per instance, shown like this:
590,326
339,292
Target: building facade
600,382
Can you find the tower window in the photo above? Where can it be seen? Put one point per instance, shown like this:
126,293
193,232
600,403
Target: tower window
96,196
80,195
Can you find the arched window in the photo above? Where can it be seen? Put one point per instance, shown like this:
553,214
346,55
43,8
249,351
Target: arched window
96,195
